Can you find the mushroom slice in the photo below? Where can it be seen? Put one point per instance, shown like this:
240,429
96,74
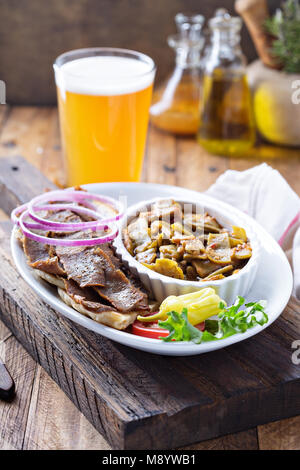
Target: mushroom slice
208,219
218,272
160,227
167,267
147,256
169,251
181,233
138,231
218,248
194,247
189,257
167,210
194,222
146,246
211,228
160,240
239,232
128,242
241,252
213,277
210,224
204,267
178,238
191,273
235,242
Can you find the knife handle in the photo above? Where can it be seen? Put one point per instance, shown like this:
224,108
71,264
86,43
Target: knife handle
7,385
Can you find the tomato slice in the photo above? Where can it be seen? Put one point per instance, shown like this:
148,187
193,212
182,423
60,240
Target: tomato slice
152,330
148,330
200,326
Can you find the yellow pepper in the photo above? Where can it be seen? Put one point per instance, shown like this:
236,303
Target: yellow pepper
200,305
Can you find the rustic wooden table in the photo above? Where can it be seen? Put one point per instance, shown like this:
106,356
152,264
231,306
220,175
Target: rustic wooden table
41,416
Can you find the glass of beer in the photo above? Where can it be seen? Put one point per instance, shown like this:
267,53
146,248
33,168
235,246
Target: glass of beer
104,95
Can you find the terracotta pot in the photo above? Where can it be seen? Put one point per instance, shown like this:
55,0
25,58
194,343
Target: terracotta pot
276,111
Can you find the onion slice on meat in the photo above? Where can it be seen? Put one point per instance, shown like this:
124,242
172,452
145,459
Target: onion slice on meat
67,200
66,227
66,241
73,196
99,223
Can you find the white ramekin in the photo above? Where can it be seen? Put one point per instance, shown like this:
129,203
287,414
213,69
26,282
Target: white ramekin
160,286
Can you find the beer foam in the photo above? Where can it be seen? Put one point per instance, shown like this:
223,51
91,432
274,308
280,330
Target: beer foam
104,75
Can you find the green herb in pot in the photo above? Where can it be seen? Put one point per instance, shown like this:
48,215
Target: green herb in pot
285,27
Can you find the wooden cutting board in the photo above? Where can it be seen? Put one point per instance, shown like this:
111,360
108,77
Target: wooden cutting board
139,400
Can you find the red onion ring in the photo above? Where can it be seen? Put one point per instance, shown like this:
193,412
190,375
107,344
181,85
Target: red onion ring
72,226
62,194
64,241
66,227
42,202
18,210
87,204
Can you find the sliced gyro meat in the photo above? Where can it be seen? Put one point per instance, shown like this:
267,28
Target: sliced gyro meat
83,265
38,257
118,290
87,303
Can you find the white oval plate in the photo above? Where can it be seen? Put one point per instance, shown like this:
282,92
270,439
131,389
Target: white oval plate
274,279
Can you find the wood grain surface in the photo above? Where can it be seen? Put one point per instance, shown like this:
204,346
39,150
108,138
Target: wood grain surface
42,416
138,400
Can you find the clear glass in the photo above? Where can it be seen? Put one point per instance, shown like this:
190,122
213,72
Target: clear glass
104,95
226,117
176,102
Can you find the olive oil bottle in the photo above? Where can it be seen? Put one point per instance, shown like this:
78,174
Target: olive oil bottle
176,102
226,117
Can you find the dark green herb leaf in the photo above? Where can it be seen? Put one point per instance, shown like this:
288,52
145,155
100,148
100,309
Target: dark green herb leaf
211,326
232,320
180,328
285,27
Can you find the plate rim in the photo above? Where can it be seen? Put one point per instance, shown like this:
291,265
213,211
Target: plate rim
149,344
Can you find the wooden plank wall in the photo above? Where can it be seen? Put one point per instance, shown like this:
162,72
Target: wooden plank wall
34,32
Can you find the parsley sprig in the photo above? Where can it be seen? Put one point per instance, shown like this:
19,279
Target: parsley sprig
232,320
180,328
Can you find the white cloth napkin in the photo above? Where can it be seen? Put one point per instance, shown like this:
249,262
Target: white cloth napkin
264,194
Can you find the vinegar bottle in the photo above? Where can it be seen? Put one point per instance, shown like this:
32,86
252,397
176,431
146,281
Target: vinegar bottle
176,103
226,119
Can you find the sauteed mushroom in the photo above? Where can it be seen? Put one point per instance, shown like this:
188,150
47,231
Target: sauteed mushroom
185,244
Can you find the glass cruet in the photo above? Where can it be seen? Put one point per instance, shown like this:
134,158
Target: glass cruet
176,102
226,124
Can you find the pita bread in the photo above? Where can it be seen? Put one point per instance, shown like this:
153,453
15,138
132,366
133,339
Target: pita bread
116,320
55,280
